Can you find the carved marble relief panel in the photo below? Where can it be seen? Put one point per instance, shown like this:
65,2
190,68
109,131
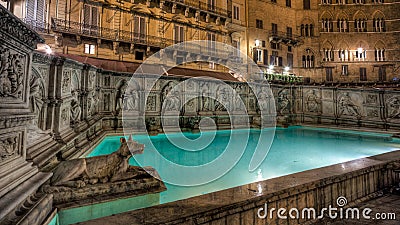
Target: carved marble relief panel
38,95
11,144
151,104
13,77
66,81
350,104
312,101
392,102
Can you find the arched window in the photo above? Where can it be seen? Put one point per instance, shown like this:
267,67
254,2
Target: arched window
378,25
327,25
308,59
379,54
344,55
360,25
307,30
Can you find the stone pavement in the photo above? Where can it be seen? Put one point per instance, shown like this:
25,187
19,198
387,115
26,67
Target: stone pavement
388,203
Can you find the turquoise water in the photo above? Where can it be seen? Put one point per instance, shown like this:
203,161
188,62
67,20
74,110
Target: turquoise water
294,149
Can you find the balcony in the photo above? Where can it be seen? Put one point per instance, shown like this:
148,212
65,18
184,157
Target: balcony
204,7
76,28
284,38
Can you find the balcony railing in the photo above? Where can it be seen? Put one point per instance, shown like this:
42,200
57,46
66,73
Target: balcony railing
38,26
204,6
285,38
71,27
204,48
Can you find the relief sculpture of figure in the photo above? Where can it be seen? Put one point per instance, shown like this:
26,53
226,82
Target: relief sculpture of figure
172,102
93,101
394,108
75,108
348,107
283,102
131,101
313,102
119,97
107,168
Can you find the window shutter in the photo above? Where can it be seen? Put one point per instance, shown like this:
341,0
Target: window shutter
142,26
30,10
94,19
40,12
86,15
265,53
255,55
61,9
280,61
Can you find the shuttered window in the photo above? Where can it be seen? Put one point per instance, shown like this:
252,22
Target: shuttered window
139,28
179,34
35,12
90,19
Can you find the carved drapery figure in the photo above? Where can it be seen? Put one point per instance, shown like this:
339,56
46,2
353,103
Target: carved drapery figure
394,107
263,99
222,101
283,102
348,107
11,74
313,102
204,90
131,101
36,95
75,109
93,102
172,102
119,97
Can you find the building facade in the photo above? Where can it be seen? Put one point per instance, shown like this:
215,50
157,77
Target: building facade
321,40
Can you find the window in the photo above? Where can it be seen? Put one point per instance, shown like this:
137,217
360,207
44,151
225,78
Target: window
211,43
379,54
290,59
359,1
307,30
90,49
275,45
377,1
263,44
327,25
361,54
382,73
90,19
236,45
274,60
378,25
328,54
328,74
306,4
308,60
139,28
259,24
211,5
265,55
179,34
345,70
274,1
343,55
343,25
342,1
274,28
236,12
326,1
289,32
363,74
259,55
289,48
360,25
139,55
35,12
288,3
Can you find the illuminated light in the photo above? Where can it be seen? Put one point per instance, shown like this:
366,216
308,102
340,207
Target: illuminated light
287,68
257,43
271,67
360,50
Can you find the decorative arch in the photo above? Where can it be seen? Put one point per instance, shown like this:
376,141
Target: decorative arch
342,15
327,51
378,14
327,15
360,14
